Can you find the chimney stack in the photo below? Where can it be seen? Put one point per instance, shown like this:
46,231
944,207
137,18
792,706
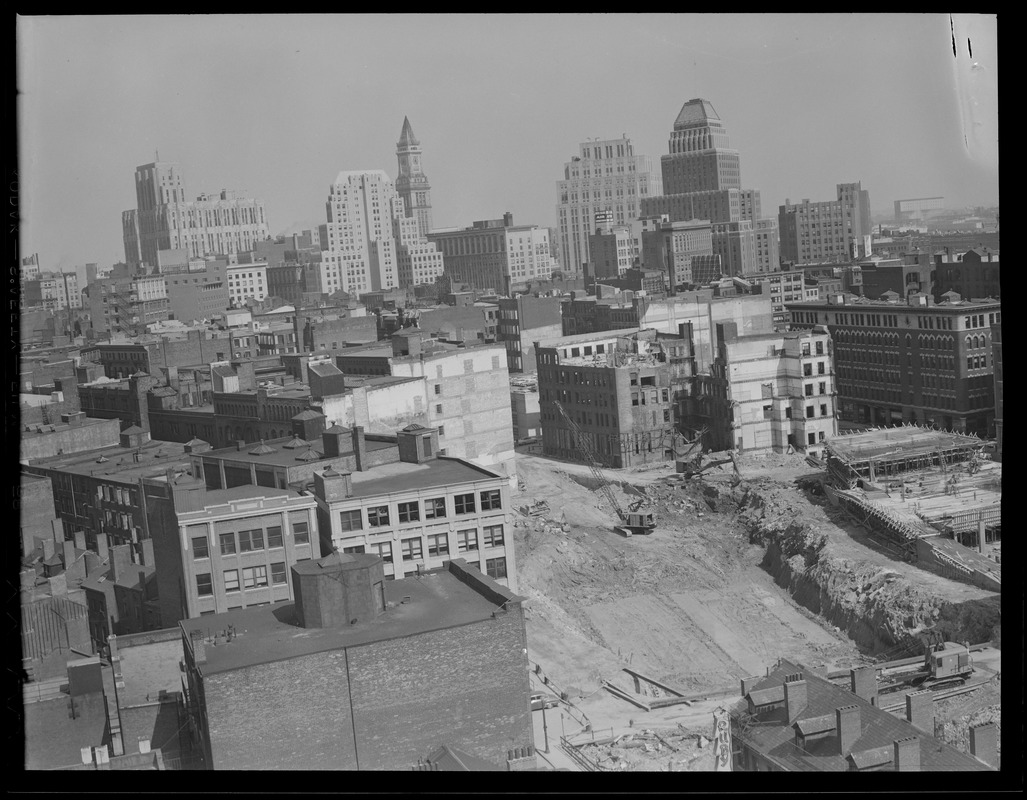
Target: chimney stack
80,539
795,696
68,555
146,552
359,448
864,683
984,743
907,754
848,726
240,445
748,683
920,710
121,559
102,549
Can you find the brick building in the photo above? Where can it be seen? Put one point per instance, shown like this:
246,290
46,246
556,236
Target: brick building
829,230
974,273
794,721
910,361
624,390
523,320
75,433
360,673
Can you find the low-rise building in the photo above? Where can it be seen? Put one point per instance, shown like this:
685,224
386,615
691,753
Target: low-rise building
523,320
337,678
419,510
974,273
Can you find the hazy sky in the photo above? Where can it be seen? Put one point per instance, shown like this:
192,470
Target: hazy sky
276,106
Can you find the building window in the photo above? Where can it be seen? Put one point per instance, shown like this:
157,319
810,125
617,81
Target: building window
490,500
278,573
227,543
301,533
438,388
409,512
438,544
809,390
805,348
254,577
464,503
411,548
378,516
351,520
823,409
384,549
820,348
435,508
467,540
821,435
807,370
812,438
231,580
820,368
495,568
809,412
274,536
822,387
251,540
493,536
204,585
357,548
200,549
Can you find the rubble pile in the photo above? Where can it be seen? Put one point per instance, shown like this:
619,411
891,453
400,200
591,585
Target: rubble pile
676,750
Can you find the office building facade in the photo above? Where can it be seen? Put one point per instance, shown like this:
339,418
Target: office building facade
832,230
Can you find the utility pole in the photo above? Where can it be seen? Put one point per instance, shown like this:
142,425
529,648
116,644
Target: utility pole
545,730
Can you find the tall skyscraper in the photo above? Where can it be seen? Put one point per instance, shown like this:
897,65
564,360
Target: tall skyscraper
371,244
701,158
606,177
411,183
213,224
702,180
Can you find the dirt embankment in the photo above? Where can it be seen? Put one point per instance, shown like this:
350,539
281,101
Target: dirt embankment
877,604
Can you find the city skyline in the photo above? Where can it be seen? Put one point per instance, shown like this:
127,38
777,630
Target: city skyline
499,104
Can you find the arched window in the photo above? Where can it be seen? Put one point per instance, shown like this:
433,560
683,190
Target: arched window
976,342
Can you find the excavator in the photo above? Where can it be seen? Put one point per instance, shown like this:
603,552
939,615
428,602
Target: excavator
636,520
690,461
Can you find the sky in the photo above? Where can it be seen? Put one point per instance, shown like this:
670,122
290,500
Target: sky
276,106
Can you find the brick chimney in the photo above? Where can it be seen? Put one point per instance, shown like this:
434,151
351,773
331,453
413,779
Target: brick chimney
748,683
863,681
68,554
907,754
920,710
146,552
359,449
795,696
48,548
520,759
199,647
984,743
80,540
121,560
102,549
848,726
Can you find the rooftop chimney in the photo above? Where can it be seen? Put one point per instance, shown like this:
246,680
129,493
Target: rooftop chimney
907,754
864,683
121,560
920,710
146,552
848,727
984,743
748,683
359,449
795,696
240,444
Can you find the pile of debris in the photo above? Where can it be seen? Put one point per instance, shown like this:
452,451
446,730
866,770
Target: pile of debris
675,750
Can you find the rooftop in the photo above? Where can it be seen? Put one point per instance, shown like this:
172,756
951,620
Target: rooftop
879,729
119,463
437,600
695,112
403,476
286,456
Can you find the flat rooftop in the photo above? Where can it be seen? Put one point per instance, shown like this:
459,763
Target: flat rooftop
120,461
352,381
904,442
403,476
437,600
286,456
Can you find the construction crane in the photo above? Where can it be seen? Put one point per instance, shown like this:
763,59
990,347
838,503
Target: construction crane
635,520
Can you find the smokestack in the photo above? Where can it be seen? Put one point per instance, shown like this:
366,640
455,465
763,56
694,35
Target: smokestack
907,754
795,696
848,727
920,710
984,743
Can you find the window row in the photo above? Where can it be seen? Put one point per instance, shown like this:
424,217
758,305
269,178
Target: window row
437,543
250,540
435,508
250,578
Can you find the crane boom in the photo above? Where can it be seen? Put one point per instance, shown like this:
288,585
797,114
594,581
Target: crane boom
593,462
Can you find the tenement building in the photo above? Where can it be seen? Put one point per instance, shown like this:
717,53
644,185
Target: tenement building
606,181
767,392
622,389
910,361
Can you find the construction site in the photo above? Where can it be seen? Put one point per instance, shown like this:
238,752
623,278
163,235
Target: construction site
751,559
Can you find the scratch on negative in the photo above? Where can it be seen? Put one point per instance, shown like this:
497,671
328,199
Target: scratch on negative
952,28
